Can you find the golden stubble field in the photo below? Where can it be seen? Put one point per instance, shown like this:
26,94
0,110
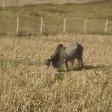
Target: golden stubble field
26,85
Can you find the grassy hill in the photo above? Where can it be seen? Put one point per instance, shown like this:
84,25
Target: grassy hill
99,9
6,3
53,15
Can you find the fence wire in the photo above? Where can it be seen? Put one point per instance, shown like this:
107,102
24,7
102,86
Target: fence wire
53,25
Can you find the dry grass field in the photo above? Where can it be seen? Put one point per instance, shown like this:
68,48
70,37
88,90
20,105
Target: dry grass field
26,85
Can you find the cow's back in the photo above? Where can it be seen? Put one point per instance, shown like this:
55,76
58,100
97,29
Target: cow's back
74,51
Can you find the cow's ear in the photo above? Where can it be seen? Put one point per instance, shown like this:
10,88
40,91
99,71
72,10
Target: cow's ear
49,58
61,45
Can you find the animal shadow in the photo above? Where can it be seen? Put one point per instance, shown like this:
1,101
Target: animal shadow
88,67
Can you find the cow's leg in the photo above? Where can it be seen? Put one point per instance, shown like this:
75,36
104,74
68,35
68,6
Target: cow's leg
66,64
72,62
82,64
80,61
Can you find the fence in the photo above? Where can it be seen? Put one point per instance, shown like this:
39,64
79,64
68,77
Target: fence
53,25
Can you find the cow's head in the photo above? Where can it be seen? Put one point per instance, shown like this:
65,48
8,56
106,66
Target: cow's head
56,58
48,61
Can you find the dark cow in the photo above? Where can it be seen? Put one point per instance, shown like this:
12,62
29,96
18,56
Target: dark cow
56,58
63,55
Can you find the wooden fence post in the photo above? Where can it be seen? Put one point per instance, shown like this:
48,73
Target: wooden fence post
64,25
41,25
106,26
85,26
17,26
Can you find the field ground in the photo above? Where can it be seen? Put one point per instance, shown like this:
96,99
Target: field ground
26,85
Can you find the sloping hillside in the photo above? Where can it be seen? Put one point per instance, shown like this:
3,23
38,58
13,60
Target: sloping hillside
98,10
6,3
59,1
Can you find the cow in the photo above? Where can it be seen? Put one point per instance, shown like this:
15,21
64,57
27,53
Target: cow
63,55
56,58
